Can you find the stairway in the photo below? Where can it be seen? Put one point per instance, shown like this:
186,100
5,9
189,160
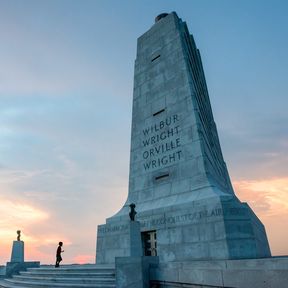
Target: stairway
78,276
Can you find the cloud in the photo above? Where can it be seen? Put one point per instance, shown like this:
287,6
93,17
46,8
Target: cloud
84,259
18,215
60,204
255,147
268,197
20,212
269,200
62,116
53,59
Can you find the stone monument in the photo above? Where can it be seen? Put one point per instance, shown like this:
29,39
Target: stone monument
178,178
17,262
17,254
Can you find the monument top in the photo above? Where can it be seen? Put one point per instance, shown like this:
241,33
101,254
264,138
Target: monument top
160,16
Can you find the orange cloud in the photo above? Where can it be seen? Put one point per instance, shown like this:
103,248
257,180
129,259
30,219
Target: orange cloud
44,249
84,259
17,216
269,199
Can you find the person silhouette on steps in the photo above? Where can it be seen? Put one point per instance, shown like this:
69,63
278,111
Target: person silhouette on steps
58,255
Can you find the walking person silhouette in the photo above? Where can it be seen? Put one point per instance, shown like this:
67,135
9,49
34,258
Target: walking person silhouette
58,255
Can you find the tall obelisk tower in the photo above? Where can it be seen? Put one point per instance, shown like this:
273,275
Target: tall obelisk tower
178,178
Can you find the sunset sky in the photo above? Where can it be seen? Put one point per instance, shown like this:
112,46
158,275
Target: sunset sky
66,87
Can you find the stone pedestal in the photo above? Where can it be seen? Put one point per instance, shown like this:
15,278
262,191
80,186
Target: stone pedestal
134,272
123,240
17,254
135,239
17,262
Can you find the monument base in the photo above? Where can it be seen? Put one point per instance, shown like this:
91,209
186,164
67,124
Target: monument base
212,228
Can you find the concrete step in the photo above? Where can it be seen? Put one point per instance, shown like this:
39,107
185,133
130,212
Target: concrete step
86,280
74,268
71,274
90,276
10,283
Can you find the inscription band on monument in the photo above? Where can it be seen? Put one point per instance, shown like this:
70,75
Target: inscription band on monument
174,219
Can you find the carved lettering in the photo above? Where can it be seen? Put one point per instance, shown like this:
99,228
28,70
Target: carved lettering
173,220
162,143
111,229
184,218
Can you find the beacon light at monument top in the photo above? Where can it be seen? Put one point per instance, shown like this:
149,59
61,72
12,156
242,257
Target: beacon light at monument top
178,178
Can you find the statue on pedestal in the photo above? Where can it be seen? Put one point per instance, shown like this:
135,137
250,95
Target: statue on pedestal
18,235
132,212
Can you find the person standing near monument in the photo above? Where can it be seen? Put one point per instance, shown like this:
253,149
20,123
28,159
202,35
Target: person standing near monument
58,254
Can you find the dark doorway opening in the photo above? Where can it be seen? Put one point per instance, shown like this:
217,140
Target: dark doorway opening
149,240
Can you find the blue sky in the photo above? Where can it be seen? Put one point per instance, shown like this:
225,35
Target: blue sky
66,84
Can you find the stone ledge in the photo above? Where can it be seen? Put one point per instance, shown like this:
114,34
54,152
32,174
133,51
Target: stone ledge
13,268
248,273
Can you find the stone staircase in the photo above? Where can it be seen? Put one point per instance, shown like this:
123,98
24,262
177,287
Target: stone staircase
78,276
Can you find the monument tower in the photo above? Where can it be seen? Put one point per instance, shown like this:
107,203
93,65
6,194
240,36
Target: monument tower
178,178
